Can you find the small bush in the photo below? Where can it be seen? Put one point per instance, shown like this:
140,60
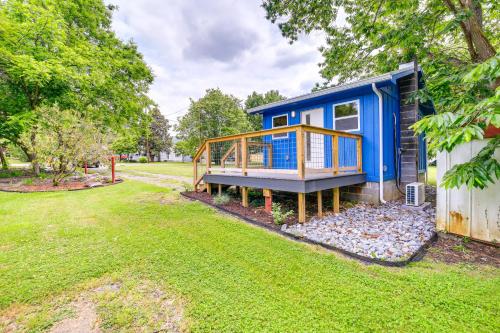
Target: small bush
279,215
10,173
28,181
188,187
222,199
143,159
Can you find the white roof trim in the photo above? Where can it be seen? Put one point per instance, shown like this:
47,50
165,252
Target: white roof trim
368,81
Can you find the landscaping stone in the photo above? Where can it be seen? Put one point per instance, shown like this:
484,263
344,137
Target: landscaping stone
386,232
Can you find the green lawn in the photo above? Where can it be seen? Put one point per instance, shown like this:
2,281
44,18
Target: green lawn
169,168
229,275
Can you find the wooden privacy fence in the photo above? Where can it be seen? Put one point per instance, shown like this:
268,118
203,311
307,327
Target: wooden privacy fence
300,150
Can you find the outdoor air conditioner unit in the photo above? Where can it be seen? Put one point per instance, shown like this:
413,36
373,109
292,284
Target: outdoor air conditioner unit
415,194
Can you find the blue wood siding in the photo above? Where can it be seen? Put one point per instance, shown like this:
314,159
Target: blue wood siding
284,150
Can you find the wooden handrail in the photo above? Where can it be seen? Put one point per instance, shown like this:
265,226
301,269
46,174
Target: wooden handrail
306,128
200,150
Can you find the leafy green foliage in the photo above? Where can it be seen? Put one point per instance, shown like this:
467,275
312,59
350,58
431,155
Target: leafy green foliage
279,214
478,172
63,140
143,159
154,134
255,99
64,52
213,115
454,41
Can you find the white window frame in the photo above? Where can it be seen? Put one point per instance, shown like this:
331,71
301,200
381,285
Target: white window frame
347,117
272,126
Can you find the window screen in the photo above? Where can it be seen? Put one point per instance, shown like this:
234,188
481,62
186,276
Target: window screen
347,116
280,121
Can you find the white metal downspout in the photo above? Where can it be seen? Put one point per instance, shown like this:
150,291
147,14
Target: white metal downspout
380,143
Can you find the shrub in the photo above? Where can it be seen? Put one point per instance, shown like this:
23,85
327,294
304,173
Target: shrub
143,159
279,215
222,199
188,187
62,139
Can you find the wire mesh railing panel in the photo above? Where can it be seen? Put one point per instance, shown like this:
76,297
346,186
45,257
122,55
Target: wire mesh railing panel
316,155
272,151
347,154
225,156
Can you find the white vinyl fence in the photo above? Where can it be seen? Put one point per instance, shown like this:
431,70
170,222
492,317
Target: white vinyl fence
474,213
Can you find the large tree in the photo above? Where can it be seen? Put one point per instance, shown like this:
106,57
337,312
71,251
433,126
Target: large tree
215,114
64,52
455,41
155,136
255,99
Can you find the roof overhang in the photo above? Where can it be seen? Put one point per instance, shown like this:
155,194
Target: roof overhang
392,77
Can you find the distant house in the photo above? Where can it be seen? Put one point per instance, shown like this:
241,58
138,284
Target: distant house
353,138
165,156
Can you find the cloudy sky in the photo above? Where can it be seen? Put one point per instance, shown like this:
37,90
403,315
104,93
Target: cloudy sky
193,45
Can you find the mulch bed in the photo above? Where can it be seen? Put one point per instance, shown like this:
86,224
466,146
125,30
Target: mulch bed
453,249
257,214
16,184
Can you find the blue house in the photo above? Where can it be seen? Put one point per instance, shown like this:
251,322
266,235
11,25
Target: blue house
389,146
354,138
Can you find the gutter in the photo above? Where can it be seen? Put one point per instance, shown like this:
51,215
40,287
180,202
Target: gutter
380,143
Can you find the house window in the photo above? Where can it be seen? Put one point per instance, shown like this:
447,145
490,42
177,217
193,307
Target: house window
346,116
280,121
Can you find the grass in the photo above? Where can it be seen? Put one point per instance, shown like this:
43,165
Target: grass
169,168
229,275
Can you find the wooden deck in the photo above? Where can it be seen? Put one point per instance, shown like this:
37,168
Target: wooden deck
300,159
287,182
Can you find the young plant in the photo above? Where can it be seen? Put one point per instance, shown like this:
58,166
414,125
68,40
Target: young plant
221,199
143,159
279,215
188,187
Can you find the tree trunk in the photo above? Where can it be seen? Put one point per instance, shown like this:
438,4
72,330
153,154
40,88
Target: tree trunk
480,48
5,165
31,158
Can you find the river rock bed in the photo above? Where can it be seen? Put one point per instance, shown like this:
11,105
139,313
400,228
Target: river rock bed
387,232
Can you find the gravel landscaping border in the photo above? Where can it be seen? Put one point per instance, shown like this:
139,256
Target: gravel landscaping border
416,256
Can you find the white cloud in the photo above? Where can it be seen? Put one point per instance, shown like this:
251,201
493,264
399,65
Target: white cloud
194,45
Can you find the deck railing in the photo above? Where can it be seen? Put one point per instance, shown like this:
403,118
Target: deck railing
301,150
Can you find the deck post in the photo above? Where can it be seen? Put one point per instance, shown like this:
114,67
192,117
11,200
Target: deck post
244,158
320,204
302,207
359,152
335,154
195,175
300,153
268,196
209,188
220,189
336,200
244,196
209,157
